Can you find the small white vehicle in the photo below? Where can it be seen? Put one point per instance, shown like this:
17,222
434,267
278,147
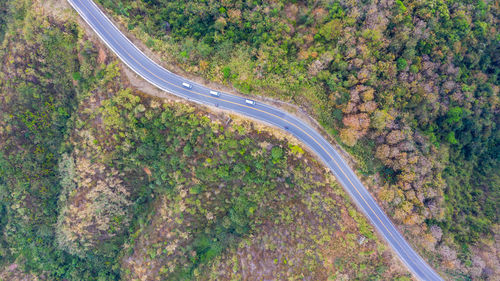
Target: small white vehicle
251,102
215,93
187,85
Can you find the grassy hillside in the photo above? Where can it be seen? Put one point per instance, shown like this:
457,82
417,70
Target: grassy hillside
414,83
100,182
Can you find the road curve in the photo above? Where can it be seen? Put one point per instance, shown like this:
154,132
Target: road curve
172,83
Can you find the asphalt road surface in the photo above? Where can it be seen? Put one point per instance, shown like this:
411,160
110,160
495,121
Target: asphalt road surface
172,83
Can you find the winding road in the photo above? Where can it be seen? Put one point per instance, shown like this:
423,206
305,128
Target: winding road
172,83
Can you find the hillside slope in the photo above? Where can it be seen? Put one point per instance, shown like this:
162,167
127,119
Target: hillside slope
100,182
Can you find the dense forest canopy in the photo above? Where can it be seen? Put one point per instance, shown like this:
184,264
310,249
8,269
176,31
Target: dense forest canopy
100,182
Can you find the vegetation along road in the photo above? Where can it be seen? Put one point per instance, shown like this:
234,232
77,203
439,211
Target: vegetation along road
181,87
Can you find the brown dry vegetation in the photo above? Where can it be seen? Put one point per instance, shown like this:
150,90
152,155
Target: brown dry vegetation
96,210
12,272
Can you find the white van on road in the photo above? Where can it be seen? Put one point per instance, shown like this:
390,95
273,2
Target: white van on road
251,102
